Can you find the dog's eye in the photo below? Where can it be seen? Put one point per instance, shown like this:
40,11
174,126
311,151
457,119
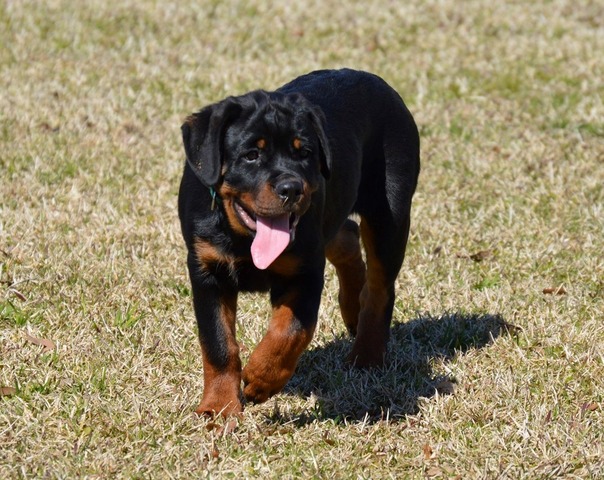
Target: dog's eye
252,155
305,153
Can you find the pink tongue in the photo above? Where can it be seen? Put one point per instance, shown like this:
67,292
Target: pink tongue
272,237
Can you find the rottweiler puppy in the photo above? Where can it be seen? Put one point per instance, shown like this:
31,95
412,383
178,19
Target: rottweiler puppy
269,183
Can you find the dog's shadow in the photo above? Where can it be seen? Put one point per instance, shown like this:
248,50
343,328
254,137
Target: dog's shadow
414,370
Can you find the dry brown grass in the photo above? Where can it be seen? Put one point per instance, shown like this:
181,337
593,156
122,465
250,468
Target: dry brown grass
488,376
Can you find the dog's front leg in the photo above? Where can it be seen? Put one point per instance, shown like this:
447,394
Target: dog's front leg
215,310
295,309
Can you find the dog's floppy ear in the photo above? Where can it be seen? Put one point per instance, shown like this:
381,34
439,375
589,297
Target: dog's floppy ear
203,135
317,119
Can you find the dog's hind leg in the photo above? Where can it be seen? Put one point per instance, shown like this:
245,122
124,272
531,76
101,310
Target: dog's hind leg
384,244
385,218
344,252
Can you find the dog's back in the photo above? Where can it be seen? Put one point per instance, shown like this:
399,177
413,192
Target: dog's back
374,142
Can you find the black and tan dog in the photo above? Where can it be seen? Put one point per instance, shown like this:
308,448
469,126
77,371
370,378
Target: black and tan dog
269,183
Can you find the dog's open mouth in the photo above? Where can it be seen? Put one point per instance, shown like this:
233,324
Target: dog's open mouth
273,234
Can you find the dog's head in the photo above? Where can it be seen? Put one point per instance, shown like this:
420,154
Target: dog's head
264,153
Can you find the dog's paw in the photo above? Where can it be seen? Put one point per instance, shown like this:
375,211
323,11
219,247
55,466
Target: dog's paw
365,358
260,384
256,393
224,407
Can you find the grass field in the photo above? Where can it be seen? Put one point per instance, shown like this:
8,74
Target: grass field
496,361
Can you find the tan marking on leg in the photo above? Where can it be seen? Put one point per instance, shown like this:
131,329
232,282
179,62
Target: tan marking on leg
344,252
372,334
221,393
273,362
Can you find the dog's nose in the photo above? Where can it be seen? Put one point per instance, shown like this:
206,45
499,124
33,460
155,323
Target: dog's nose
289,190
